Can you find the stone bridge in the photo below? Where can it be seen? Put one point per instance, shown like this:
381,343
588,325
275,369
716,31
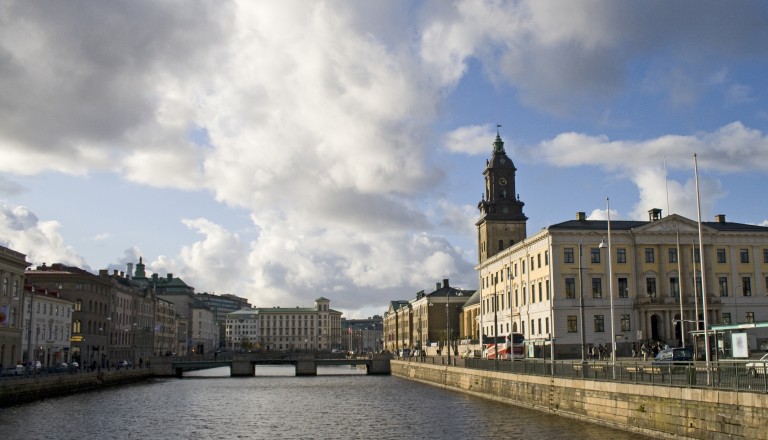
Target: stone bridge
244,365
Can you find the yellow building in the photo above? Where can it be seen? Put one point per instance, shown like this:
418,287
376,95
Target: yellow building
554,286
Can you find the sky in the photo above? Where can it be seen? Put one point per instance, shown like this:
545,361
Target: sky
286,150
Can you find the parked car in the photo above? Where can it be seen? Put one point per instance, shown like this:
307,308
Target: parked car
757,367
673,358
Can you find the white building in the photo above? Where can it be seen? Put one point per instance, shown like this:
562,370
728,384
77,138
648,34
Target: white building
51,323
279,328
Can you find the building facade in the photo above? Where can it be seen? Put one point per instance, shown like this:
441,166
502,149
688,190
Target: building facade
430,322
566,293
283,328
12,266
50,323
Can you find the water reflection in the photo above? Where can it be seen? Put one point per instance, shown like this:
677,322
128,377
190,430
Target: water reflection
277,405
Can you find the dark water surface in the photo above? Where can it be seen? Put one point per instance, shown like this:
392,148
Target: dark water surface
340,403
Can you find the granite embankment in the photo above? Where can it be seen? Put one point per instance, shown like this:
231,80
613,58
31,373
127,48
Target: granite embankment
655,410
26,389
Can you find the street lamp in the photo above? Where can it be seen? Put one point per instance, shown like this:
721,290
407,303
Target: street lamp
447,329
610,283
495,322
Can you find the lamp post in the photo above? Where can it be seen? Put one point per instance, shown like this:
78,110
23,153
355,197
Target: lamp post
610,283
495,322
447,329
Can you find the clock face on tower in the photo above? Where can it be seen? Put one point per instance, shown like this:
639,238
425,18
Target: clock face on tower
503,181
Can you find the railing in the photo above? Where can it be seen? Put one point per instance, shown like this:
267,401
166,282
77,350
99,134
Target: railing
733,376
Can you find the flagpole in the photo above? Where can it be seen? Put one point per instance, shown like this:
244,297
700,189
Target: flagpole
703,276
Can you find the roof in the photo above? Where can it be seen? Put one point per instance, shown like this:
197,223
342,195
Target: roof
589,225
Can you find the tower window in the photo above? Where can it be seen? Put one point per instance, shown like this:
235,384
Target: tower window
501,244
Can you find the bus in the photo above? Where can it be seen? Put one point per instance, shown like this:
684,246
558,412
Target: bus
511,346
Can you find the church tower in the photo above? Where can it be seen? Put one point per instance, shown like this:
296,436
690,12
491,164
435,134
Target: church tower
502,222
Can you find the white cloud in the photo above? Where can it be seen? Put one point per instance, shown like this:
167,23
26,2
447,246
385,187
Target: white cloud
473,139
22,231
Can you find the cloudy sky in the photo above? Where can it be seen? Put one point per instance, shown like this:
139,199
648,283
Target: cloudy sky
286,150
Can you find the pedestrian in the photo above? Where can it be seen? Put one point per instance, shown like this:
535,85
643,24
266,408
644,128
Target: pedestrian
644,351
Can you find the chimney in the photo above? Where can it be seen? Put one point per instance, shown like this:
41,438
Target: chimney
654,214
129,270
445,282
114,272
437,286
170,276
581,216
103,272
720,218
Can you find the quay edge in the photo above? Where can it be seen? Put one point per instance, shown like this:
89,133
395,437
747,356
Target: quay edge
655,411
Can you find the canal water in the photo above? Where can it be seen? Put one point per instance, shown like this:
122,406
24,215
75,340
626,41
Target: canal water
339,403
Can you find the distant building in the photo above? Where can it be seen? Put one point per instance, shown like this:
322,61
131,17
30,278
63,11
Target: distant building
51,323
283,328
222,305
91,298
200,335
362,335
12,266
430,321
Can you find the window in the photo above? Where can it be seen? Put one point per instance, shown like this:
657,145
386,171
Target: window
599,324
539,322
533,293
533,327
621,255
746,286
572,324
516,298
674,287
744,254
570,288
765,255
721,256
547,284
625,324
597,287
78,305
726,318
501,244
696,256
523,267
650,287
546,258
568,255
540,293
672,255
722,282
750,317
649,258
594,255
524,298
623,288
5,286
538,261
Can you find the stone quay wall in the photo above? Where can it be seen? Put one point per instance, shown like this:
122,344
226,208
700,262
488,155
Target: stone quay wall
654,410
28,389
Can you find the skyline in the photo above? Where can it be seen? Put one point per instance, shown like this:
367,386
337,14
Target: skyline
284,152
